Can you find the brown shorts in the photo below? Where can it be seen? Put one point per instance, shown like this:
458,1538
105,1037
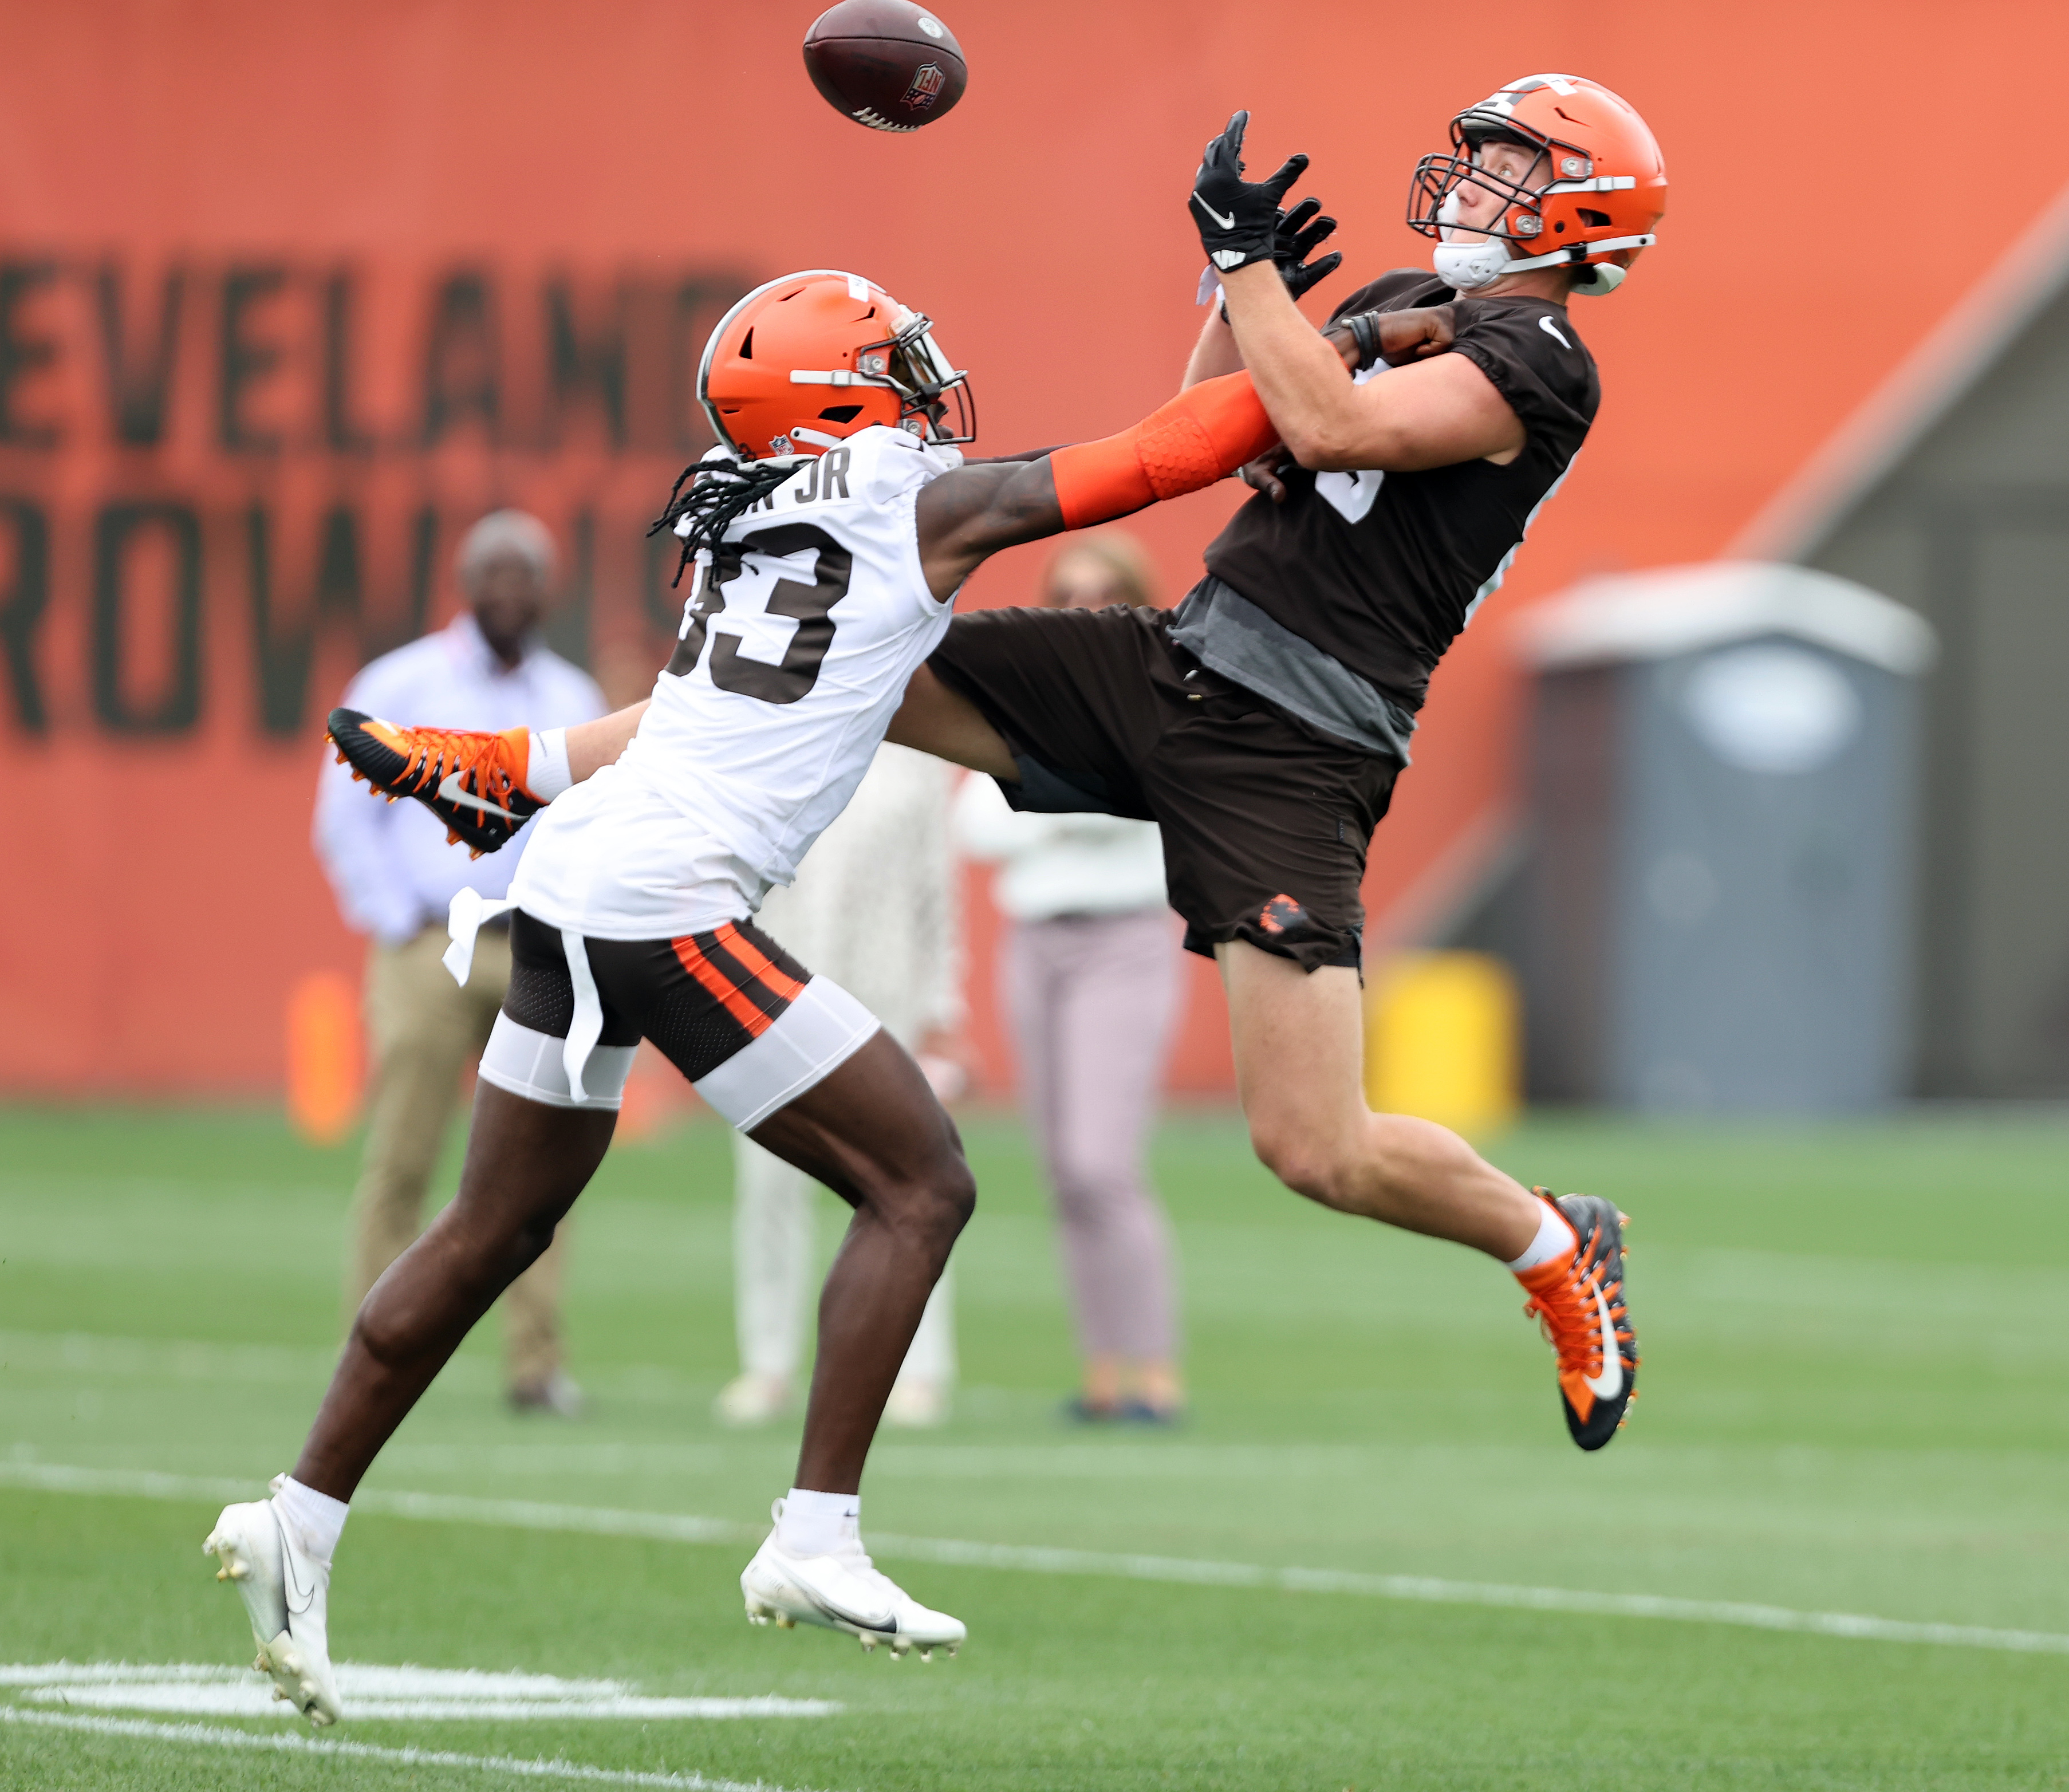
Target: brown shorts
1265,820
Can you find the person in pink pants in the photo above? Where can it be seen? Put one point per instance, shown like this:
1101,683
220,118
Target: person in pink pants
1089,972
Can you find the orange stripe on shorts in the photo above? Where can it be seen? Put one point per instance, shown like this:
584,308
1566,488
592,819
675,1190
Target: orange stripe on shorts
735,1001
763,968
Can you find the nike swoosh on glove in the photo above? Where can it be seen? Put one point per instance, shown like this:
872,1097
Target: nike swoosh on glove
1238,219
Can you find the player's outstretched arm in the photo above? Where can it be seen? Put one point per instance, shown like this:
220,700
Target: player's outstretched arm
1202,435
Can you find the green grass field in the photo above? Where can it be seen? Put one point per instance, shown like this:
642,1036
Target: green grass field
1856,1401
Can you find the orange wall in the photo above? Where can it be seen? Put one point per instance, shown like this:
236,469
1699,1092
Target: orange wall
160,895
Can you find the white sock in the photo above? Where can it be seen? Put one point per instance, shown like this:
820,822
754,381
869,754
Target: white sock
1555,1238
817,1524
546,772
318,1520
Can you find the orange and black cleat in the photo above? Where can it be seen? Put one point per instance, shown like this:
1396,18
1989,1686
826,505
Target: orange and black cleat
474,783
1579,1302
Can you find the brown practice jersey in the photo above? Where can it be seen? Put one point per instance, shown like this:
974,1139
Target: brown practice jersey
1382,570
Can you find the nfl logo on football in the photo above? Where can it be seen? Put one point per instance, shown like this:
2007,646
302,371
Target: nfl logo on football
927,81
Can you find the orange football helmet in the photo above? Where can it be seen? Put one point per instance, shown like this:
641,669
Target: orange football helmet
803,361
1593,197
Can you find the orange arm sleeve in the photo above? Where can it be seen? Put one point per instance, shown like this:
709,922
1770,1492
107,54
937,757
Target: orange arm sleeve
1203,435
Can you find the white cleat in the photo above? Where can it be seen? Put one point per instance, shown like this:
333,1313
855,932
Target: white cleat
287,1597
844,1591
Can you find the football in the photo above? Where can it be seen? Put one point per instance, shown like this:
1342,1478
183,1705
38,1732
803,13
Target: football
888,64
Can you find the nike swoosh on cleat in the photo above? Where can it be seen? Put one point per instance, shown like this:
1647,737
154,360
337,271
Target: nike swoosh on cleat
1228,223
885,1626
450,791
300,1597
1610,1383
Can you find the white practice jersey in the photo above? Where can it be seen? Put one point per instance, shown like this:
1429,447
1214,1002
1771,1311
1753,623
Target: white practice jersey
785,677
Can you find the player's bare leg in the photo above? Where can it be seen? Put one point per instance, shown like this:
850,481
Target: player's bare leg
1299,1059
525,1165
935,719
1298,1039
873,1132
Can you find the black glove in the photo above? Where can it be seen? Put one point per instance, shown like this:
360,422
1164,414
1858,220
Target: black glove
1293,239
1297,235
1238,219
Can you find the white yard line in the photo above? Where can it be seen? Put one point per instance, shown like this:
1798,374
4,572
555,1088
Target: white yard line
258,1702
372,1690
211,1736
604,1521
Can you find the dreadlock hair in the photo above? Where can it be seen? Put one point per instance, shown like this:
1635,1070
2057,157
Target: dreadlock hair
718,491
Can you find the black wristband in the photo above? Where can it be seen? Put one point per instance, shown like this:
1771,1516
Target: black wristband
1364,332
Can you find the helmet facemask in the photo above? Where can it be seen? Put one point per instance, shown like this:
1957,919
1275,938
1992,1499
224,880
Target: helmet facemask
910,363
1439,181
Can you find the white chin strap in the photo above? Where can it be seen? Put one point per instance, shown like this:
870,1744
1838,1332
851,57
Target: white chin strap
1467,267
1470,266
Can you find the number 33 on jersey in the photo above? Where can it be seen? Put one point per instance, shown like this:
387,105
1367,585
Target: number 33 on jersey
796,645
833,553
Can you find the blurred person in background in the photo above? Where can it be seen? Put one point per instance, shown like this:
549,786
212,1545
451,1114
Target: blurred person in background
394,876
1090,975
874,907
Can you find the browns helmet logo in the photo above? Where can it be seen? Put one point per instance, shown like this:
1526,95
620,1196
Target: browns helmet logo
927,81
1281,915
